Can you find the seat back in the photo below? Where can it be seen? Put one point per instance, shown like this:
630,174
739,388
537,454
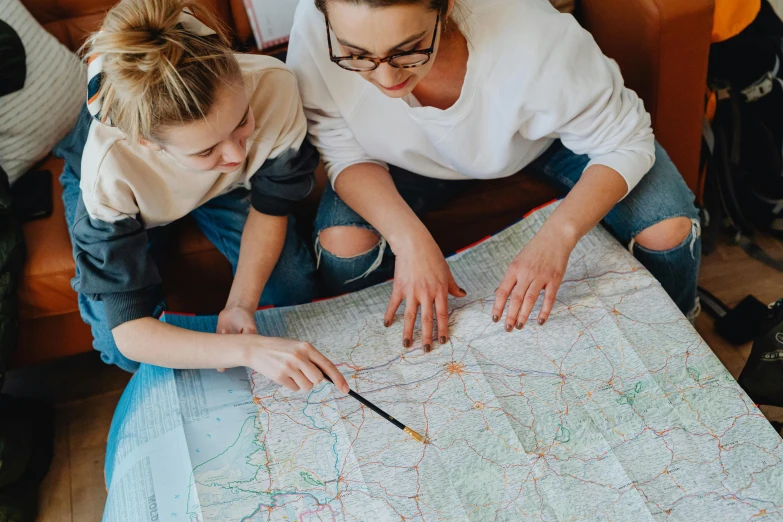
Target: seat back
70,21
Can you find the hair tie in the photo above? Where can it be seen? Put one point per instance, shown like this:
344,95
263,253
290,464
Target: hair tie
186,20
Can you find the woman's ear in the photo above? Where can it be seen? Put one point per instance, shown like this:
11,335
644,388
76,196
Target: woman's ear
451,6
150,145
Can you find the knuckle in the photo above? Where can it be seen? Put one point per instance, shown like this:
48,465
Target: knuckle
531,298
410,315
516,299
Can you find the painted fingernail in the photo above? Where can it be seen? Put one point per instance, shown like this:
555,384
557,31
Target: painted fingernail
495,318
509,327
406,343
541,321
387,323
520,326
442,339
427,348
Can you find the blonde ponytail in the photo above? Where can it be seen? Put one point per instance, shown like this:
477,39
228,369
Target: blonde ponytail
156,72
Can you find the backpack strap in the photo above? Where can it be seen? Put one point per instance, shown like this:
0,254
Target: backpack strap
758,89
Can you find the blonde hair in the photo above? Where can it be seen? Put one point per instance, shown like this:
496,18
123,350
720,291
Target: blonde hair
156,73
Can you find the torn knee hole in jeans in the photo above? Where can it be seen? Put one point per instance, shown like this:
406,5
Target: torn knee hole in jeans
694,235
381,246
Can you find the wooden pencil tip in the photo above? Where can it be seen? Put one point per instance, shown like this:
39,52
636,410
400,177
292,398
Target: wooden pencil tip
415,435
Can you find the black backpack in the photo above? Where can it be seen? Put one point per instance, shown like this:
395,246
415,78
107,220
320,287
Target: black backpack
762,376
743,152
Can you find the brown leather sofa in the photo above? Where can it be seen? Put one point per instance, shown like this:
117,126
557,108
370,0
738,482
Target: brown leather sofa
661,46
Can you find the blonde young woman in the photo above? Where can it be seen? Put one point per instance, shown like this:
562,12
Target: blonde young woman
409,99
183,126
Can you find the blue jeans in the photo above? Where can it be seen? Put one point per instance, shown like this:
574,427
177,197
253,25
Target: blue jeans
222,220
662,194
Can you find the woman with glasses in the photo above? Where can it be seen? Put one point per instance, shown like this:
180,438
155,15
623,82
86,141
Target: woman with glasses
406,99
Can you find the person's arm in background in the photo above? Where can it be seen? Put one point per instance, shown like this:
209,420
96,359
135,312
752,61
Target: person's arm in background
262,241
275,188
285,178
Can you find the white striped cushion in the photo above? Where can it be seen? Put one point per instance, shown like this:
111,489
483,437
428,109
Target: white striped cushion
34,119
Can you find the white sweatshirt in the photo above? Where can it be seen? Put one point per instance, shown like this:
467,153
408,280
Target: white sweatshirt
533,75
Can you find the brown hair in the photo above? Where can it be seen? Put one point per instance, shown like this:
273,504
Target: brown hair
155,72
441,6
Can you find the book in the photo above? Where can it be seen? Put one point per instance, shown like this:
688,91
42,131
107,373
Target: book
271,20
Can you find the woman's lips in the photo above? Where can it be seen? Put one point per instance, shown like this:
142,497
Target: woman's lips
398,86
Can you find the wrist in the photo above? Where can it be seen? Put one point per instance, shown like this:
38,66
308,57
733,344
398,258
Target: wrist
246,348
245,303
565,230
409,240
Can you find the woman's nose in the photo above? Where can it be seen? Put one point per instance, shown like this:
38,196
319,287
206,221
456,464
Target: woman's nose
387,75
234,152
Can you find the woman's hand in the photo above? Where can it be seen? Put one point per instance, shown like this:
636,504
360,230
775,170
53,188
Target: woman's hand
539,266
543,261
236,320
297,365
422,278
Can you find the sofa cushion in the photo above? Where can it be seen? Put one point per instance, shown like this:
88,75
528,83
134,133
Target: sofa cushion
45,286
35,117
45,289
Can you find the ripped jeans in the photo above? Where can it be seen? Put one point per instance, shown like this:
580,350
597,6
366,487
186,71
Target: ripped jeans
661,194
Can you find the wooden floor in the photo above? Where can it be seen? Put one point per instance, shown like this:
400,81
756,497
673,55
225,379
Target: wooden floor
86,390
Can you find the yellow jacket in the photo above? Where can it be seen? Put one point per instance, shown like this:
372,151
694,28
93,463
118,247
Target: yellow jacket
732,17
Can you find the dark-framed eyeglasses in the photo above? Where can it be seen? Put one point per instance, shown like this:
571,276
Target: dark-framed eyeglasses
404,60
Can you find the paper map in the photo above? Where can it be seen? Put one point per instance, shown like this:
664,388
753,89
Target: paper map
615,409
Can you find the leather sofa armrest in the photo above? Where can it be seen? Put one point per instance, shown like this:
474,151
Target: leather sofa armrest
662,47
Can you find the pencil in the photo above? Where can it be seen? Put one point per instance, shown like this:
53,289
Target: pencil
383,414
